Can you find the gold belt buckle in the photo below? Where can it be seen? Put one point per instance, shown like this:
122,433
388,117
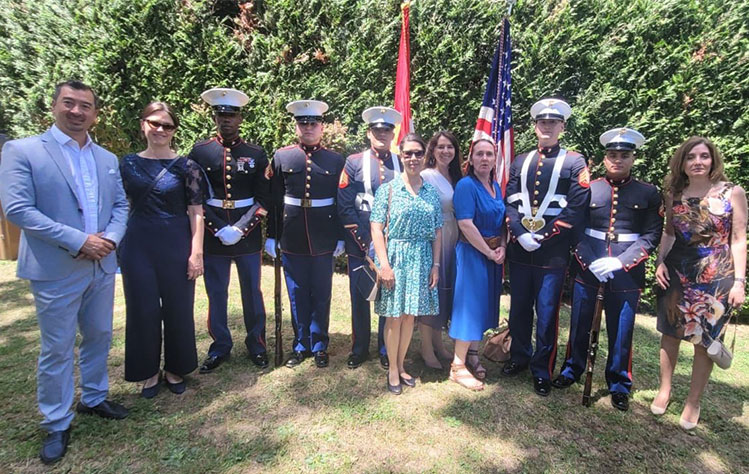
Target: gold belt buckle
227,204
612,237
306,202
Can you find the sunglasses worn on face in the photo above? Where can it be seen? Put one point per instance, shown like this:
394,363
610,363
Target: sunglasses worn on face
413,155
166,126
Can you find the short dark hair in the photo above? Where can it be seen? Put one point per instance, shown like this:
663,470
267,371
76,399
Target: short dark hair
77,85
413,137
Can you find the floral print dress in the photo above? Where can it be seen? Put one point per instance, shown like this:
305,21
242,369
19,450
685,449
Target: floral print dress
695,305
413,225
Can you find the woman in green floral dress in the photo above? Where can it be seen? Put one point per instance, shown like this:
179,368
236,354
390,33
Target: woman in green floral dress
408,211
701,265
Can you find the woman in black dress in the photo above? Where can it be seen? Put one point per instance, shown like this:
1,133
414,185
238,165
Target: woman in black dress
161,255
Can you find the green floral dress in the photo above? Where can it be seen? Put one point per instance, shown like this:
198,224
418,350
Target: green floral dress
413,224
694,307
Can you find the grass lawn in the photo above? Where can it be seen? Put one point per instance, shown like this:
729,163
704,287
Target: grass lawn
240,419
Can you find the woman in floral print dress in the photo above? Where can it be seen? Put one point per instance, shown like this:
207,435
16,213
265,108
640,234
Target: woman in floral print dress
701,265
409,262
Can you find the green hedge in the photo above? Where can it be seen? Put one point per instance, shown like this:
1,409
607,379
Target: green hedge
670,68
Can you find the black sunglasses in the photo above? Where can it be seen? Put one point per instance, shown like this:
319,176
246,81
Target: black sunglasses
413,154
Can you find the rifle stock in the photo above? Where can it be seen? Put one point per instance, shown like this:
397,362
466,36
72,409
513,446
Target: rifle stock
595,329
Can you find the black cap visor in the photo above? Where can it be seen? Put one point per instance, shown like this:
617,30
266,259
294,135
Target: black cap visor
620,146
308,118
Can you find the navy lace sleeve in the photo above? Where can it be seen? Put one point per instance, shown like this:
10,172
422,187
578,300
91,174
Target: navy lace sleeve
195,187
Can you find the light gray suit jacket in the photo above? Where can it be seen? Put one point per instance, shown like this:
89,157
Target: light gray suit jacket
38,194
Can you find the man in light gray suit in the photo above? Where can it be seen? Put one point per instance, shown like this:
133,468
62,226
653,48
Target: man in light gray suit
65,193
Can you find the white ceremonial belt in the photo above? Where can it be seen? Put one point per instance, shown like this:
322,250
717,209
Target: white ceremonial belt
230,204
597,234
554,211
306,202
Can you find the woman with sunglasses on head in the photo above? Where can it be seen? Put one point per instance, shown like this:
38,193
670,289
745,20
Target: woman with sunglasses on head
406,224
480,212
443,172
161,255
701,266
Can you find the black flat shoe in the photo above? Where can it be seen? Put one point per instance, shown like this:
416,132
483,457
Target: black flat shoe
620,401
408,382
152,391
211,363
105,409
260,360
562,381
297,357
355,360
177,388
512,368
384,362
394,389
321,359
542,387
54,446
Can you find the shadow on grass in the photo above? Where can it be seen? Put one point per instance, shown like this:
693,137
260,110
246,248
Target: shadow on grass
558,429
15,294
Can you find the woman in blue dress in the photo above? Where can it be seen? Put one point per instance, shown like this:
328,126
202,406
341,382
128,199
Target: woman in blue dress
409,262
161,255
480,212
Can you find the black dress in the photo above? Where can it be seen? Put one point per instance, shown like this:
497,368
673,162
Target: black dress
153,259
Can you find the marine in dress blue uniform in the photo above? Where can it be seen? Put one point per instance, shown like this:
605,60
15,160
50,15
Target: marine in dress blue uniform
238,196
622,227
547,194
362,176
304,185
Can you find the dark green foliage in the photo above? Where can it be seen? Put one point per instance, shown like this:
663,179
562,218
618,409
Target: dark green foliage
670,68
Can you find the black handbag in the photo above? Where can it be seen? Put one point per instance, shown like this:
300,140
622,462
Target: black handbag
368,280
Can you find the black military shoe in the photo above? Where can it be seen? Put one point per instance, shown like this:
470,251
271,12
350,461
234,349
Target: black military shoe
512,368
211,363
355,360
542,387
562,381
321,359
384,362
260,360
620,401
105,409
54,446
296,358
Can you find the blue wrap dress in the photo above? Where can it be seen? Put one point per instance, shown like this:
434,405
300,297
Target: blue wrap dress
478,280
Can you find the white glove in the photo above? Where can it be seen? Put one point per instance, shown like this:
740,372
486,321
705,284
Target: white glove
340,246
603,268
230,235
221,234
529,241
270,247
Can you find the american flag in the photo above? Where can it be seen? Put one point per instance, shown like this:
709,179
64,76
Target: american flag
495,116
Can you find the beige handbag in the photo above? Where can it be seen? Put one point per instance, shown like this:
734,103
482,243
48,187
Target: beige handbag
718,352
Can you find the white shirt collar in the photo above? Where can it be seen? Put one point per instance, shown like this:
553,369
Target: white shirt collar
63,139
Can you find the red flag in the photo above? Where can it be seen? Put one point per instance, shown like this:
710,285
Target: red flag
402,79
